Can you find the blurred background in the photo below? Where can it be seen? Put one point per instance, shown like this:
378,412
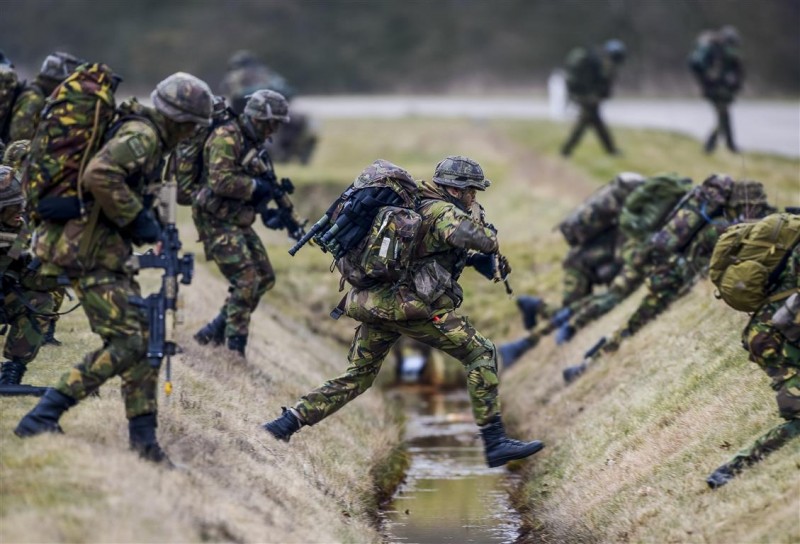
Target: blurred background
414,46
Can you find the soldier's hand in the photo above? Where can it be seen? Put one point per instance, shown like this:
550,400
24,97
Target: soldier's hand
483,263
145,229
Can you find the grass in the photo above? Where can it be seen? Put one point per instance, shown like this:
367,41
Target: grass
628,445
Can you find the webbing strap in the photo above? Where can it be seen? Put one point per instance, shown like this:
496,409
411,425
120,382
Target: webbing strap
782,295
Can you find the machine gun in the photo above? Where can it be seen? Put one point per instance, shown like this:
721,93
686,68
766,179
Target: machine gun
162,307
258,162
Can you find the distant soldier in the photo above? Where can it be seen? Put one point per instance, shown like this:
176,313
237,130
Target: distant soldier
25,299
233,193
247,74
681,250
772,338
9,88
590,78
117,177
717,65
451,239
31,98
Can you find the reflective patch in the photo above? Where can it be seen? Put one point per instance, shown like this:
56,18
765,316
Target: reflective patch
136,146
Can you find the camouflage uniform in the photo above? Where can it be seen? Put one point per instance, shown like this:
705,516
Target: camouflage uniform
590,76
28,108
224,214
717,66
450,232
25,295
589,265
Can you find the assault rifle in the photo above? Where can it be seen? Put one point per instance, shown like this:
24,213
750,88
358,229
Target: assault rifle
162,307
259,163
500,265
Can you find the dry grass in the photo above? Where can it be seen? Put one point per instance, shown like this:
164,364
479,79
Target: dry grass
628,445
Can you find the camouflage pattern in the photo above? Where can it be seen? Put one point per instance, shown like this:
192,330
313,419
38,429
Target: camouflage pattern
461,172
780,359
266,105
26,112
183,98
590,76
587,266
243,79
117,177
105,297
15,153
450,232
224,216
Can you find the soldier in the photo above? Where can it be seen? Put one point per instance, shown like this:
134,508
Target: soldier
681,251
226,208
590,76
717,65
31,99
9,87
26,298
247,74
451,240
117,177
772,337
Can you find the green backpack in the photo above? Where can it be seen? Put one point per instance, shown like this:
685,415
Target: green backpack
646,208
749,257
72,128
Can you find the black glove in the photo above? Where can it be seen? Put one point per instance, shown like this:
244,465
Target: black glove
272,219
59,209
483,263
145,229
261,192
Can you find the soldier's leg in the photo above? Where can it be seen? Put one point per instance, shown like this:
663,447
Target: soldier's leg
725,125
371,344
266,273
711,142
50,331
25,331
602,130
577,131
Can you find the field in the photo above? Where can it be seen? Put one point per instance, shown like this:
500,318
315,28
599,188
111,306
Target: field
628,446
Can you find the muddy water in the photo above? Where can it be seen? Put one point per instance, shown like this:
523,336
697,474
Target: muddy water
449,495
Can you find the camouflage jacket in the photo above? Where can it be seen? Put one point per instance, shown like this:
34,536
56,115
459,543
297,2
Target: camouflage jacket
590,75
718,69
117,178
788,280
26,113
226,184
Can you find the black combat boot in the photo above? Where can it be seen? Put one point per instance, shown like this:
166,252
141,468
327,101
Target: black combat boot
11,373
500,449
213,331
50,335
284,426
529,306
725,473
142,432
572,373
237,343
44,416
510,352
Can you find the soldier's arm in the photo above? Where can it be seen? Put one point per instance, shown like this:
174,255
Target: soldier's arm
25,116
125,155
457,229
226,176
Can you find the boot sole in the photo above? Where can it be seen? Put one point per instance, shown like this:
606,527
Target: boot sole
503,460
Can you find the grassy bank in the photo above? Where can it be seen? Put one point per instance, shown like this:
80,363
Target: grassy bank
628,446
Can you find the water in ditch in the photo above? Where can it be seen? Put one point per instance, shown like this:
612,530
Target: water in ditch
450,495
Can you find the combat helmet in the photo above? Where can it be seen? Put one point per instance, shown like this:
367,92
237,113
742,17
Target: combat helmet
266,105
57,66
16,152
461,172
615,49
184,98
10,188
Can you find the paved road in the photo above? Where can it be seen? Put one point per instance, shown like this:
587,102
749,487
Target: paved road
758,125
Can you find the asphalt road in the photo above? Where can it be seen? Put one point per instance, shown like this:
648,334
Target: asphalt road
772,127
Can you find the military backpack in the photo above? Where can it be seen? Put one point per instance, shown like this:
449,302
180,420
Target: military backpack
749,258
72,128
372,227
600,212
646,208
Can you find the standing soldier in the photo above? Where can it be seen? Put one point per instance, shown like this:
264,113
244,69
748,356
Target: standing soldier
226,207
30,101
117,177
590,76
717,65
450,236
772,338
9,87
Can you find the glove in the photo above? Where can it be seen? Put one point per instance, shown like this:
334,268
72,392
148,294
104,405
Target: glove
59,209
261,191
785,319
272,219
483,263
145,229
561,317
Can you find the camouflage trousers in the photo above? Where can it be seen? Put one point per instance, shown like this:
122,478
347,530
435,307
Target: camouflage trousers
105,297
589,117
586,267
780,359
26,328
372,343
626,282
243,260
